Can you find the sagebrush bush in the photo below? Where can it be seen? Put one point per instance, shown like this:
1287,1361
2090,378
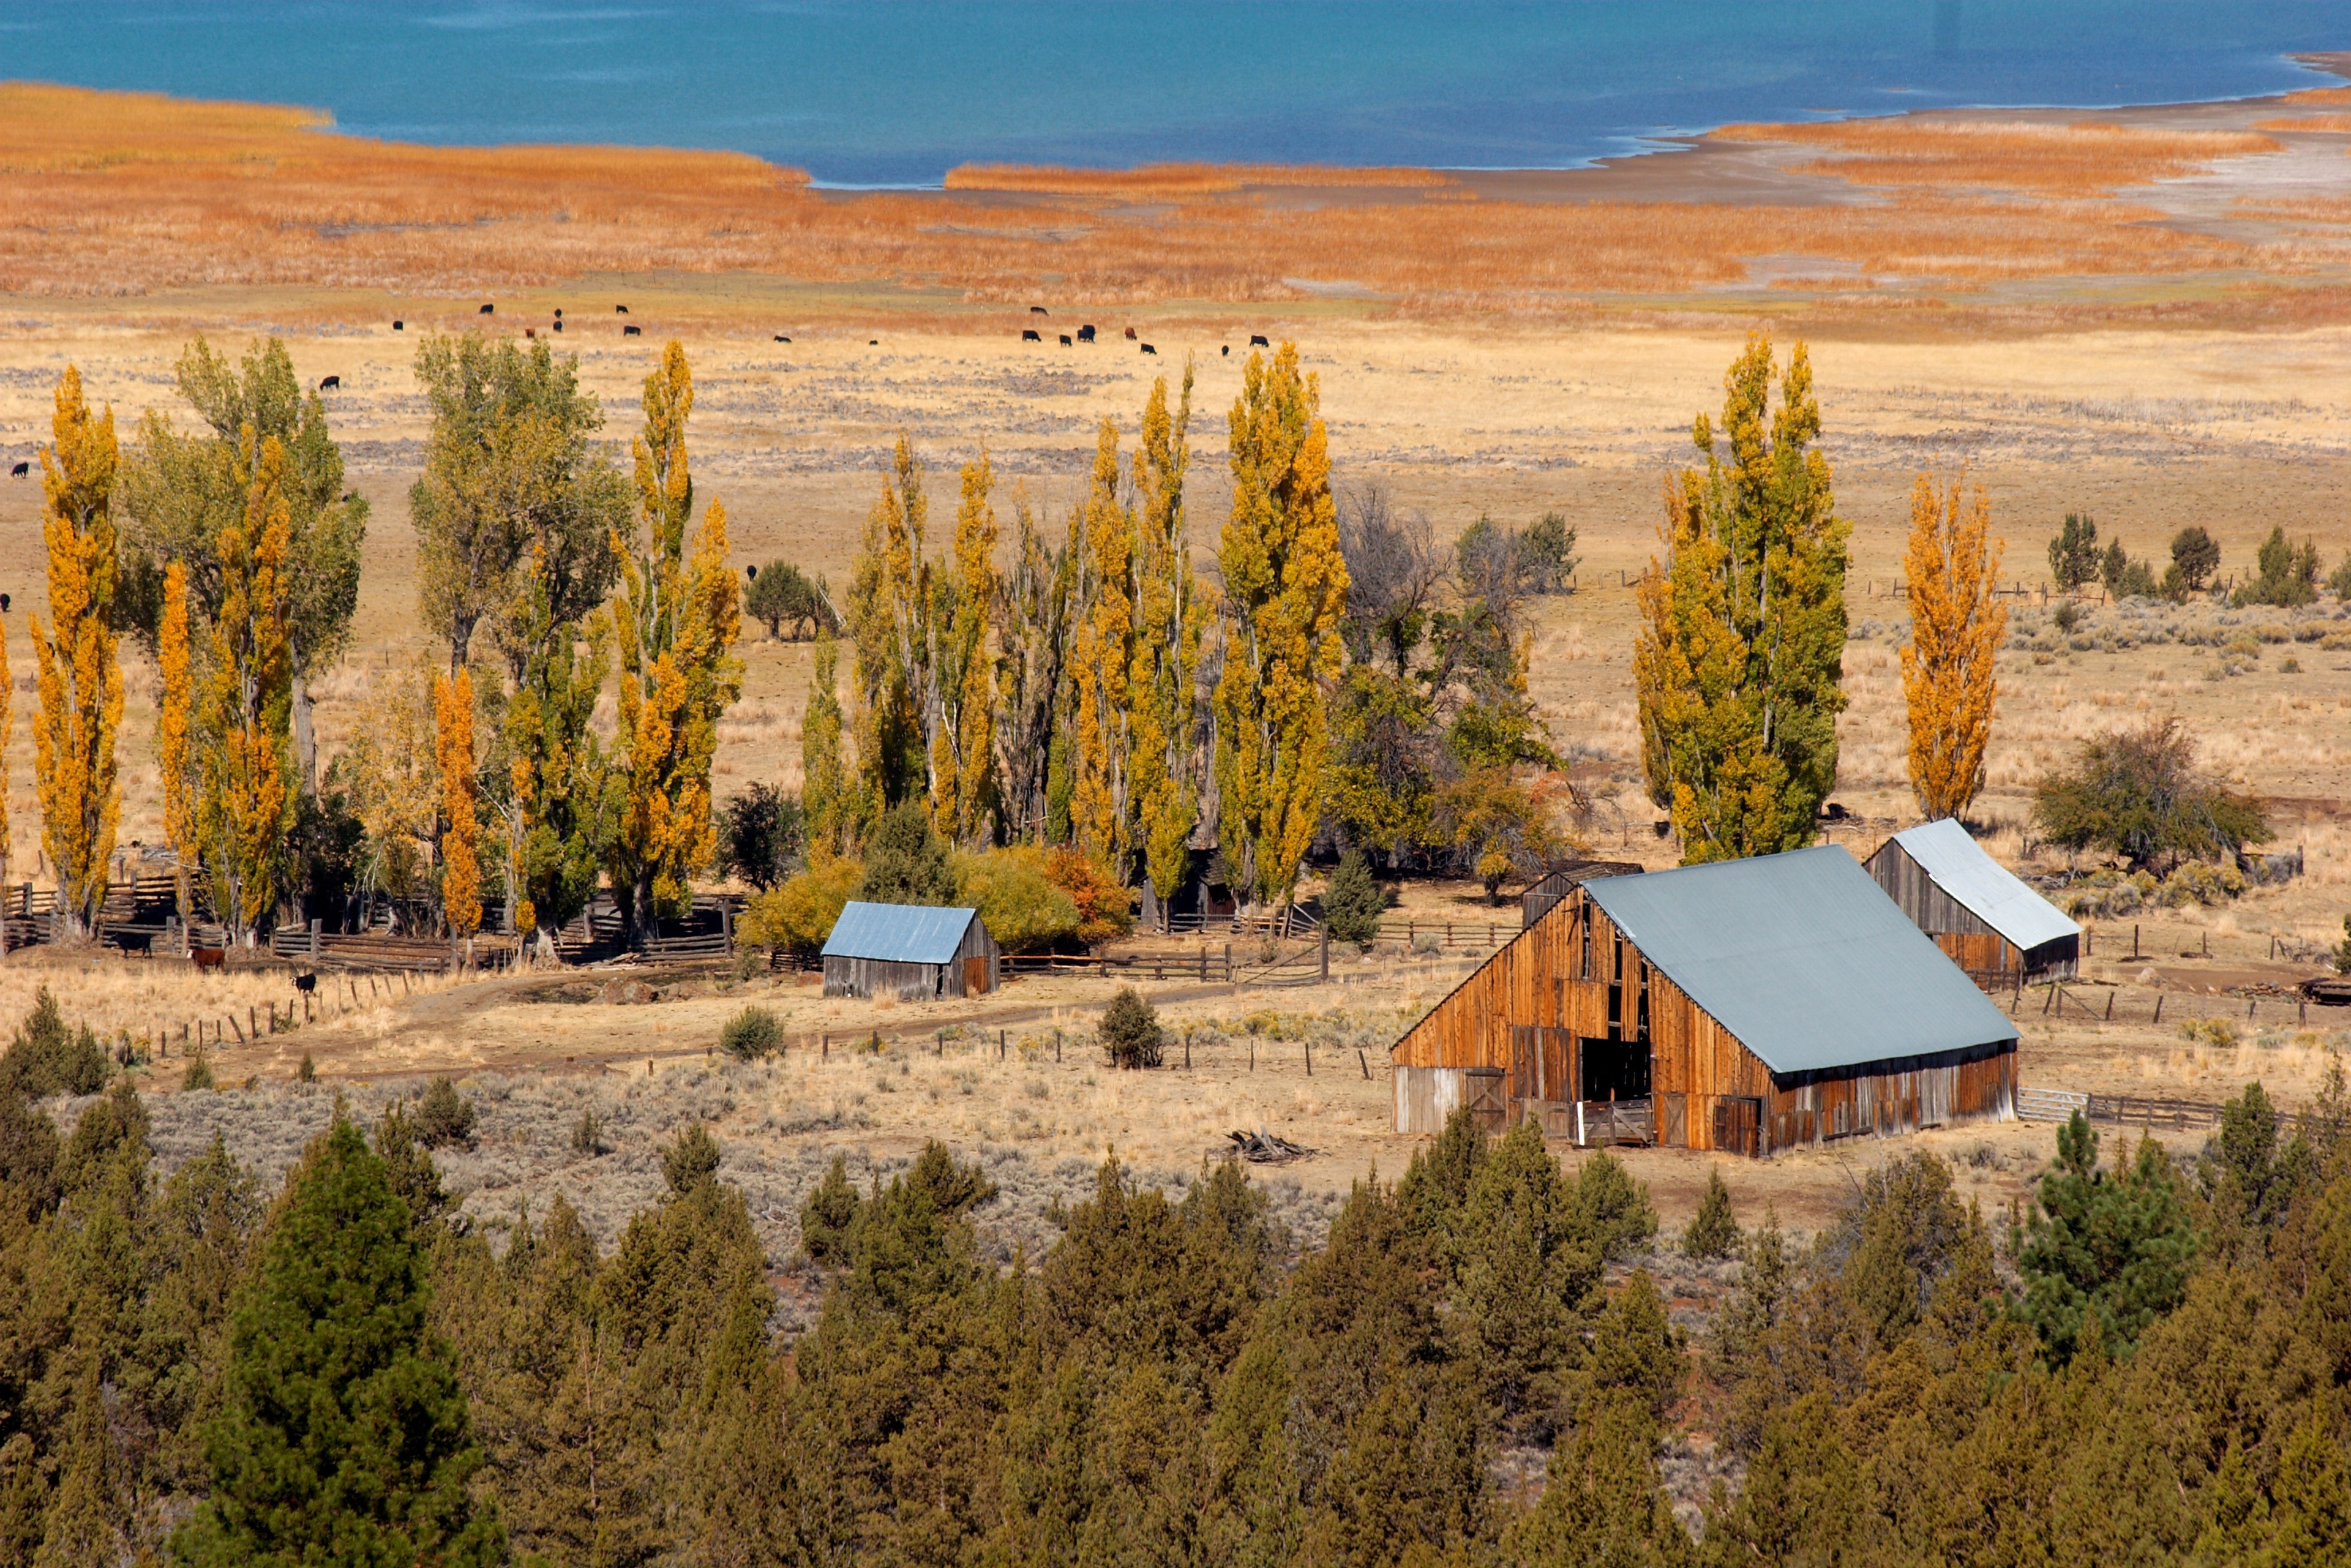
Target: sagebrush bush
1130,1030
752,1034
199,1074
588,1133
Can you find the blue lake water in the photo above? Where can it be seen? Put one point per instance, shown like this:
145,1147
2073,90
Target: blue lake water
863,92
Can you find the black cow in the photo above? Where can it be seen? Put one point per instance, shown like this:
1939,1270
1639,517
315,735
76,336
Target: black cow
558,315
1029,335
751,574
872,343
633,331
620,310
1065,340
781,339
306,984
1257,340
399,326
559,326
1085,334
4,604
1039,310
19,470
1129,334
329,383
489,309
1149,349
530,332
1226,350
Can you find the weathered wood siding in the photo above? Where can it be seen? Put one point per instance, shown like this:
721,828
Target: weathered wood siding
976,969
1992,960
1571,978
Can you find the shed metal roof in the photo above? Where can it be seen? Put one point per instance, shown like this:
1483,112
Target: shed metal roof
1803,957
898,932
1986,888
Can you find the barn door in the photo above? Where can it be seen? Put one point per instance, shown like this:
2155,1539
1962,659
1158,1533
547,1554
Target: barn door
1673,1121
1526,1062
1490,1106
975,975
1738,1125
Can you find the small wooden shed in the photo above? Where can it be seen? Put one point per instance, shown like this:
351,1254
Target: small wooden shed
1746,1005
912,952
1995,927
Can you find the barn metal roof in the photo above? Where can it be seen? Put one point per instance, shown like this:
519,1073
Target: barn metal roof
898,932
1803,957
1986,888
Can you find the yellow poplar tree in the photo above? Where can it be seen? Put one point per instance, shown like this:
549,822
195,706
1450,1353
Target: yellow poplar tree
678,616
80,678
888,601
461,853
825,776
1285,594
1099,656
963,741
1739,662
246,808
1171,612
172,729
1955,626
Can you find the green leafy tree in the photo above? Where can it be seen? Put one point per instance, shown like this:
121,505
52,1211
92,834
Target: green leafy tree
907,862
760,835
780,591
1130,1032
514,489
2138,794
343,1433
2074,558
179,490
1739,664
2105,1254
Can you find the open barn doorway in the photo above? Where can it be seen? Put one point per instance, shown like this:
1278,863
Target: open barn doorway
1615,1069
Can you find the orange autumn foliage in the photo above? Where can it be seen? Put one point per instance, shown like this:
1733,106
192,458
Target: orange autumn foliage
80,677
461,856
1956,622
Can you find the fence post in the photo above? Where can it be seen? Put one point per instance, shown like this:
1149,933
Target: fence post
1326,952
314,938
1310,1057
2110,1007
1364,1062
1228,963
2158,1006
2134,942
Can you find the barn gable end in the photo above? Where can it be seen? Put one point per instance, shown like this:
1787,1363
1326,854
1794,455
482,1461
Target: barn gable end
1596,1020
912,951
1980,914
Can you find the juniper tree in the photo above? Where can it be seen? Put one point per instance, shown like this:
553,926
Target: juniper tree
343,1433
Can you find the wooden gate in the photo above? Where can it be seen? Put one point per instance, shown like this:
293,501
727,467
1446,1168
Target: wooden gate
1739,1124
1673,1121
1488,1104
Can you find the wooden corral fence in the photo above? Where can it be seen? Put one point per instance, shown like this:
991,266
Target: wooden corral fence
2116,1004
2124,1110
372,951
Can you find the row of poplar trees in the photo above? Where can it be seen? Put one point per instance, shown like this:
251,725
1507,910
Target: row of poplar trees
1739,664
1097,692
241,563
234,548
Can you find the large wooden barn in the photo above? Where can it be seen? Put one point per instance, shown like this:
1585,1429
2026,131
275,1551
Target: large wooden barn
1995,927
1746,1005
909,951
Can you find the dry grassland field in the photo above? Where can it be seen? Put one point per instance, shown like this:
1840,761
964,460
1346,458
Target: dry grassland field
2144,315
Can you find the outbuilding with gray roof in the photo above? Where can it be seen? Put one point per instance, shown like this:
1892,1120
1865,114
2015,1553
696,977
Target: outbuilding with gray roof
1978,911
910,951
